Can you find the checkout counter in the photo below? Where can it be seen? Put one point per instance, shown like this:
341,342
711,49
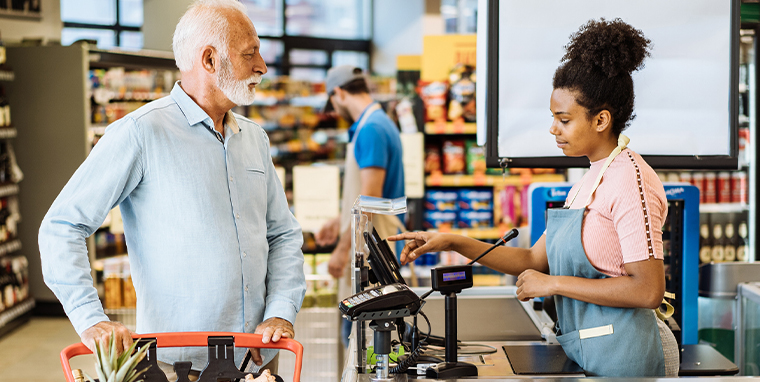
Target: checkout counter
515,340
522,342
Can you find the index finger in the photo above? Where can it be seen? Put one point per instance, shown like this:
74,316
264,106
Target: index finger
402,236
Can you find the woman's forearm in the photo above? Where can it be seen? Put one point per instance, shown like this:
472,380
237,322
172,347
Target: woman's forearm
509,260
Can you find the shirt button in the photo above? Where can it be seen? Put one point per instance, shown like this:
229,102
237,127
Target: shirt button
246,324
230,179
245,254
246,288
237,216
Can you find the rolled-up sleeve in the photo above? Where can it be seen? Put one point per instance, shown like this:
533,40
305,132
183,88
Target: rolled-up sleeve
286,283
104,180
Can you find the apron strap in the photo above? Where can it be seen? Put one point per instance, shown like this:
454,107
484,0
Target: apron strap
622,144
363,120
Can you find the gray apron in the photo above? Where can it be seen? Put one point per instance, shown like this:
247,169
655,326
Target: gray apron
604,341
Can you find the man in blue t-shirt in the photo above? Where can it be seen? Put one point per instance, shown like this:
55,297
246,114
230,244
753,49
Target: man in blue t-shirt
373,163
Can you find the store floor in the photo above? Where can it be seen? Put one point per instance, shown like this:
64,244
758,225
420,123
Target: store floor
31,352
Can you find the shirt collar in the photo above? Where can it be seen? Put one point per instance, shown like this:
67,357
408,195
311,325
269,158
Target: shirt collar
195,114
355,125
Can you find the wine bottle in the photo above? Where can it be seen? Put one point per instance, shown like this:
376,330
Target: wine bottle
5,109
741,247
2,51
718,253
705,244
729,243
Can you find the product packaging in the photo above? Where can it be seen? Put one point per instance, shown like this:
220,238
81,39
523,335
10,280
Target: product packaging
439,219
476,157
476,200
432,158
724,187
710,188
441,200
739,187
475,219
434,97
453,157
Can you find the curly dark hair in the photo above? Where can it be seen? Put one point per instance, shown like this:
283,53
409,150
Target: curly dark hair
598,64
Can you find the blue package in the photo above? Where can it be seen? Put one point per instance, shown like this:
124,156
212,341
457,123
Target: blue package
475,219
436,219
476,200
441,200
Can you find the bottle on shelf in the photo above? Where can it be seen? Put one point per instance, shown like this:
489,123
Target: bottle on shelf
2,51
718,253
729,243
742,242
5,109
705,243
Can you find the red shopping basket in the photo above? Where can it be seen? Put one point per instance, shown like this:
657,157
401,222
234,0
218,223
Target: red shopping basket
183,339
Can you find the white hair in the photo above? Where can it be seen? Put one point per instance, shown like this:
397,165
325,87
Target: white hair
203,24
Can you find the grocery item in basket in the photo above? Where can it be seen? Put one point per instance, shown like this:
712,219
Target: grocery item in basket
265,376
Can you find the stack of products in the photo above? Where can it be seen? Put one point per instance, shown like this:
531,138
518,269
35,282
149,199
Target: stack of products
456,156
723,238
720,187
321,290
119,290
464,208
14,281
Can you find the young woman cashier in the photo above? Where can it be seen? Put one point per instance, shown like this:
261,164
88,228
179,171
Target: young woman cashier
601,255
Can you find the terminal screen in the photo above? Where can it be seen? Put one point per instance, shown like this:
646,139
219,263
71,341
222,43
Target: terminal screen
454,276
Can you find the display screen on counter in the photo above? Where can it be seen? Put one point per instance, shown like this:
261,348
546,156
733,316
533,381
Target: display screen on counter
454,276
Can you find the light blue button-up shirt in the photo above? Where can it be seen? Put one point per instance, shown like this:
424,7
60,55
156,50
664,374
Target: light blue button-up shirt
212,243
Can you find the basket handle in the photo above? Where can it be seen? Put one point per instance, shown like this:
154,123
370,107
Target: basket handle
182,339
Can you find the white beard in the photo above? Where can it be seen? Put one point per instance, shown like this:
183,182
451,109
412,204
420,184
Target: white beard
236,91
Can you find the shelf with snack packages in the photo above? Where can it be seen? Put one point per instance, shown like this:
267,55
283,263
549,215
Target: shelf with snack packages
458,126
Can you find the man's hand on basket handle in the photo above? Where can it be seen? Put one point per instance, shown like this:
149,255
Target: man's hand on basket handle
271,329
101,332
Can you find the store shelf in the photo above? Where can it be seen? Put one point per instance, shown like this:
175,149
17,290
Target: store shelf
8,132
8,189
488,180
448,128
15,315
24,15
10,247
6,75
723,207
476,233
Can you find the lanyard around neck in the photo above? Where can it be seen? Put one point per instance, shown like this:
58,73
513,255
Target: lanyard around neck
622,144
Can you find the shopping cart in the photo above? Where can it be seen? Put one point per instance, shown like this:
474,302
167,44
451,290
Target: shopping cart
220,344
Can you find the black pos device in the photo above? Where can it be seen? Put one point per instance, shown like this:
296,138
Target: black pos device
386,305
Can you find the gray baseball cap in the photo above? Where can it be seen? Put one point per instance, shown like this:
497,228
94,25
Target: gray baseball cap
338,76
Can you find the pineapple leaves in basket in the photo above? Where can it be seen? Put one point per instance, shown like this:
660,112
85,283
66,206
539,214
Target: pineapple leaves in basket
118,368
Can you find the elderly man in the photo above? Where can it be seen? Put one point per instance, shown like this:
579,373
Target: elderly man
212,244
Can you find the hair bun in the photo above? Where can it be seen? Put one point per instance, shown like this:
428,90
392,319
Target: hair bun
613,47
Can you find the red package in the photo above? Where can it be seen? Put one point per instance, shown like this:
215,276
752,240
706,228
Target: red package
433,95
453,157
432,159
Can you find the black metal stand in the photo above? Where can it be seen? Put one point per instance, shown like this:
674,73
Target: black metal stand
382,340
451,368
